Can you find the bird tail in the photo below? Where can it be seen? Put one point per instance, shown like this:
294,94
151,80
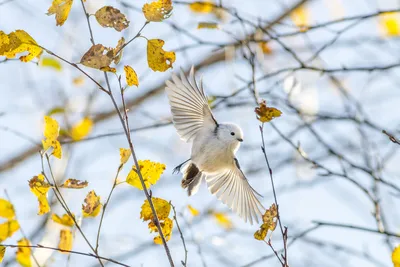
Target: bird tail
192,178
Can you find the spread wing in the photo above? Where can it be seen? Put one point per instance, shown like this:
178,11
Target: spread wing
189,106
232,188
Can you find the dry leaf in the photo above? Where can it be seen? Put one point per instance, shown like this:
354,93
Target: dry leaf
111,17
161,206
131,77
166,228
81,129
78,81
6,209
66,240
8,228
157,58
23,254
74,183
207,25
266,114
39,187
65,220
61,8
151,172
92,205
265,48
97,57
270,218
125,154
108,69
118,50
157,10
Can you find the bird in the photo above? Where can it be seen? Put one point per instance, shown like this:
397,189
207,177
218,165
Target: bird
214,146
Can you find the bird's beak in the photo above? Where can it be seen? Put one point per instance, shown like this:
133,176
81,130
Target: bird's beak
240,139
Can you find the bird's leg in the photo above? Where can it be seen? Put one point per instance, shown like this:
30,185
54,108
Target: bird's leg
177,169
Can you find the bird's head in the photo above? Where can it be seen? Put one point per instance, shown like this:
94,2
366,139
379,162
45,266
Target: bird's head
232,134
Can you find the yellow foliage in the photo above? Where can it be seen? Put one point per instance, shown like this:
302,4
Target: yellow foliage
157,58
166,228
396,257
118,50
202,7
193,211
6,209
64,220
61,8
131,77
390,23
51,132
78,81
270,218
161,206
74,183
7,229
2,252
151,172
111,17
265,48
39,187
66,240
207,25
108,69
19,42
98,56
51,63
157,10
23,254
81,129
125,154
266,114
223,220
300,18
92,205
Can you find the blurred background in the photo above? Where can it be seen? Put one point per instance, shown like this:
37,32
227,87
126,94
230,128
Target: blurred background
330,66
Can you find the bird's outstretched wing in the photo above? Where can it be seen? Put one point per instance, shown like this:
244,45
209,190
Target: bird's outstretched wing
189,106
232,188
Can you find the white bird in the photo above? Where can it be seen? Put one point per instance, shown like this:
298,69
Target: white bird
213,148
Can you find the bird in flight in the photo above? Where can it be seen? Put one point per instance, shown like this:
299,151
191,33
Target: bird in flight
213,148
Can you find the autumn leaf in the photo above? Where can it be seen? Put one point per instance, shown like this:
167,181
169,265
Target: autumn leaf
39,187
158,10
266,114
157,58
92,205
118,50
66,240
2,252
98,56
390,23
265,48
207,25
61,8
125,153
7,229
396,257
17,42
51,133
193,211
56,110
300,18
166,228
111,17
23,254
151,172
161,206
270,218
202,7
6,209
81,129
131,77
108,69
223,220
74,184
50,63
78,81
65,220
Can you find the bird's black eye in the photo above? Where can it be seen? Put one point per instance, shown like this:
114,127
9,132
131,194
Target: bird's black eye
232,133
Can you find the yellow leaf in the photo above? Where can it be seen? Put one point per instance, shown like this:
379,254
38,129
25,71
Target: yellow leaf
39,187
131,77
265,48
207,25
157,58
64,220
300,18
157,10
118,50
261,233
166,228
108,69
125,154
7,229
66,240
97,57
55,110
61,8
151,172
23,255
51,133
202,7
2,252
390,23
6,209
266,114
396,257
223,220
51,63
111,17
161,206
270,218
78,81
74,183
193,211
92,205
19,42
81,129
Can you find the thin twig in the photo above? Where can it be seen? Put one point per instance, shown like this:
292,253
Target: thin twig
184,263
